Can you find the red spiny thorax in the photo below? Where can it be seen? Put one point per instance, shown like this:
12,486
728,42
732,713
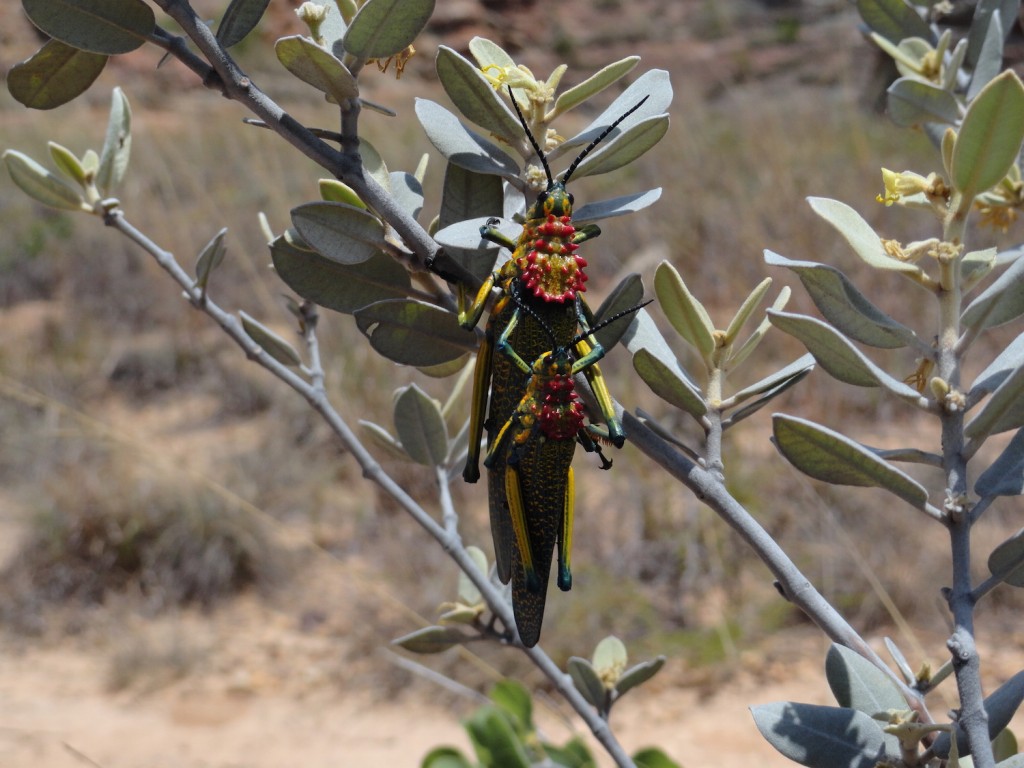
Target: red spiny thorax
558,410
547,260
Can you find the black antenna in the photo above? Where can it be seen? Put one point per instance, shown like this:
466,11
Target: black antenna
609,320
533,141
599,139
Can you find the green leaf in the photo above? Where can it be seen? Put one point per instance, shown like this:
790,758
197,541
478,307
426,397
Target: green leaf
339,232
445,757
747,308
414,333
834,458
894,20
460,145
431,639
638,675
1007,560
495,742
317,67
1000,706
911,102
210,258
468,593
334,191
1004,746
766,389
616,206
383,440
383,28
627,295
668,385
625,148
421,427
343,288
976,266
67,163
837,355
858,233
844,306
985,12
652,757
686,314
99,26
1000,303
1005,477
407,192
990,136
240,18
474,96
270,342
593,85
587,682
54,75
573,755
468,195
40,184
610,658
1004,410
515,700
990,58
857,683
117,144
822,737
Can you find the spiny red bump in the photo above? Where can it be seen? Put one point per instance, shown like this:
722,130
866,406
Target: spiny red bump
580,261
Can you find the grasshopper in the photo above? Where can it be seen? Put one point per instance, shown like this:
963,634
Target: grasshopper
533,450
546,275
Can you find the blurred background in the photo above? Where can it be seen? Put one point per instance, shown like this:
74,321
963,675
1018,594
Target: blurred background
192,572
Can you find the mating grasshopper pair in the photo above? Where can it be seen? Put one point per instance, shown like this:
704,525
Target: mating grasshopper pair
533,417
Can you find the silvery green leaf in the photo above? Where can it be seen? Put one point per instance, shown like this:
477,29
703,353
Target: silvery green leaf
858,233
1007,560
413,332
747,308
1005,477
317,67
846,308
54,75
894,20
990,136
474,96
628,294
984,12
1009,360
334,191
976,266
468,195
1000,707
240,18
488,53
683,310
644,334
117,145
432,639
837,355
586,680
334,27
610,658
826,455
772,385
912,102
67,163
341,287
990,58
384,28
952,66
822,737
655,85
1000,303
210,258
754,340
407,192
270,342
900,660
108,27
624,148
380,437
1004,410
468,593
460,145
342,233
374,163
617,206
420,426
637,675
593,85
464,235
41,184
664,380
859,684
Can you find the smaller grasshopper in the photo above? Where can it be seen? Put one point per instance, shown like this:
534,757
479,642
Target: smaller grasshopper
534,448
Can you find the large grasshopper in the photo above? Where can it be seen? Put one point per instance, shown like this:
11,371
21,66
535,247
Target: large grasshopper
545,275
533,450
